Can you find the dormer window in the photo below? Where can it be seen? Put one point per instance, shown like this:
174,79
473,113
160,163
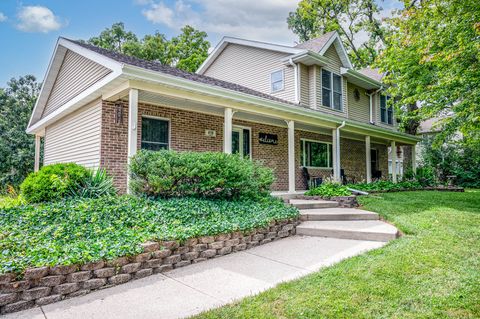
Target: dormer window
332,90
276,80
386,110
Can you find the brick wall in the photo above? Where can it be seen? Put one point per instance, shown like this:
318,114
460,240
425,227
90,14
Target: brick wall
187,132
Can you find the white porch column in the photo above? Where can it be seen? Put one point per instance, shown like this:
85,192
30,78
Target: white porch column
335,157
132,127
227,131
37,153
291,156
368,159
414,159
393,153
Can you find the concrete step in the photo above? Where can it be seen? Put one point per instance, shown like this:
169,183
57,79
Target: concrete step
374,230
312,204
337,213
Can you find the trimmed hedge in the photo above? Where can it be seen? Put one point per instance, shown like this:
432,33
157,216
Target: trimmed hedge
80,231
52,182
386,186
206,174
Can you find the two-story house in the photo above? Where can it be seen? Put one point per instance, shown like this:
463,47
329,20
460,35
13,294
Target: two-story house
288,107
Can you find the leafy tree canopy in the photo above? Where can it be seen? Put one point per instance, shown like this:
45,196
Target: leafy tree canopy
17,148
434,57
187,51
350,18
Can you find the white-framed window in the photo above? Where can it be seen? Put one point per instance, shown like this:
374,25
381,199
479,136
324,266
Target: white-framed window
242,141
155,133
276,80
332,90
386,109
316,154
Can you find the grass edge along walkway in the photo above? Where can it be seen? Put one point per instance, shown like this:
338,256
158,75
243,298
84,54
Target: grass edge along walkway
433,271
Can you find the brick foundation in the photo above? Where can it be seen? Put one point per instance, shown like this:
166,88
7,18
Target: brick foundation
44,285
187,133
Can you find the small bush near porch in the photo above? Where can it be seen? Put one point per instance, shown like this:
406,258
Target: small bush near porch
430,272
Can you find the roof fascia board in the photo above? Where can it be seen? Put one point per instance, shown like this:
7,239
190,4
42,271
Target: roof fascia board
115,66
147,75
251,43
43,96
339,45
361,77
298,57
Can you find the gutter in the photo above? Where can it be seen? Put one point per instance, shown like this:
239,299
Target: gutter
371,104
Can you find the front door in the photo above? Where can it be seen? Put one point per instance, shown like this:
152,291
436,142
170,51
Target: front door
241,141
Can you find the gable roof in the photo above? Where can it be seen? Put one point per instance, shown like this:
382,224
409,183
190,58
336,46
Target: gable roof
316,44
116,62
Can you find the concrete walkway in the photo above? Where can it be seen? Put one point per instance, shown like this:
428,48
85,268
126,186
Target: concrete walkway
188,291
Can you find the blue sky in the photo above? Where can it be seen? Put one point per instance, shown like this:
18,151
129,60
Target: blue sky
29,29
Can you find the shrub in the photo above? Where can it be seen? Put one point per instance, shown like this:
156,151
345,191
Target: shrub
83,230
206,174
52,182
329,190
95,184
425,176
386,186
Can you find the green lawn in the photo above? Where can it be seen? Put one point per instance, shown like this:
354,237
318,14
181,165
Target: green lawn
433,271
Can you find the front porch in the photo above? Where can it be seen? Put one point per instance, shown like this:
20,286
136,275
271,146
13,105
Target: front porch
143,115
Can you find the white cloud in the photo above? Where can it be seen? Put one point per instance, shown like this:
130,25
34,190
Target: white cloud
253,19
2,17
37,19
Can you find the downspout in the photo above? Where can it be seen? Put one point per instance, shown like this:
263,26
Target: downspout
337,151
295,77
371,102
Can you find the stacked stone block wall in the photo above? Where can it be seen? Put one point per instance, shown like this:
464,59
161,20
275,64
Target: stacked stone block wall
45,285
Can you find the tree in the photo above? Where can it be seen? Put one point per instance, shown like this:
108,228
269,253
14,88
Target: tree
186,51
313,18
434,57
17,148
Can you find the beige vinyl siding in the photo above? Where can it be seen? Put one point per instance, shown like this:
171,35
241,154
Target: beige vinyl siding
358,110
334,66
251,67
312,85
304,85
75,138
76,74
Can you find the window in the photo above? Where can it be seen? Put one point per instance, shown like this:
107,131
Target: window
241,141
316,154
386,110
276,79
331,90
155,134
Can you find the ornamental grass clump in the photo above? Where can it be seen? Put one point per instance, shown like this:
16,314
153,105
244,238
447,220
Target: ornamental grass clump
165,174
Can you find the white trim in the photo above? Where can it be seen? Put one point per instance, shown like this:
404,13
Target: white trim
339,47
49,78
393,154
291,156
166,119
368,159
302,145
251,43
367,81
37,153
227,130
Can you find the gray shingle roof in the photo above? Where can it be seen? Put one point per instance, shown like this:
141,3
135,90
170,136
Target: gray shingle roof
317,44
165,69
372,73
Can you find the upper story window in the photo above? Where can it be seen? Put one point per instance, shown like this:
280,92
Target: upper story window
276,80
331,90
386,110
155,134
